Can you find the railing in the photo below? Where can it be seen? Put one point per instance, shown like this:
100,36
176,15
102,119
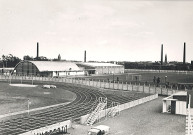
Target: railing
162,90
102,103
114,109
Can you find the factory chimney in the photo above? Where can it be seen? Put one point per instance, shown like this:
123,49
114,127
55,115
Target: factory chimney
162,54
37,50
85,56
184,54
166,59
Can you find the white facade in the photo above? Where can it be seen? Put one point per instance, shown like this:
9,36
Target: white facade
103,68
179,107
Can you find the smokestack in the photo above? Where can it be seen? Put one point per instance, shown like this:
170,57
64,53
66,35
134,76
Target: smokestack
166,61
184,55
162,54
85,56
37,49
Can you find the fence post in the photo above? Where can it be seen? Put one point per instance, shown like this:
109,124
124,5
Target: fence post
132,86
21,79
139,87
155,88
118,85
122,85
143,87
149,88
166,90
96,81
127,85
161,89
171,89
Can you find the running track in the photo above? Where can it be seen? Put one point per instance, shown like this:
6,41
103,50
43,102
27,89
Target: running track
86,97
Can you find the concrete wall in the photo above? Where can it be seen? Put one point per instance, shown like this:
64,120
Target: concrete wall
99,84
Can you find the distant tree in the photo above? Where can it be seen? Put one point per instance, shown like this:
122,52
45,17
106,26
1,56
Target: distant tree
42,58
10,60
27,57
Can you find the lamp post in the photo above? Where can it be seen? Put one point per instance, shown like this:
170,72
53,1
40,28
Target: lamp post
165,79
28,102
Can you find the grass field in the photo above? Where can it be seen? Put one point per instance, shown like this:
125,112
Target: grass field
147,77
13,99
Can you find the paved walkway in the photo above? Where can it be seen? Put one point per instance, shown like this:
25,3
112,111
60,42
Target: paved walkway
144,119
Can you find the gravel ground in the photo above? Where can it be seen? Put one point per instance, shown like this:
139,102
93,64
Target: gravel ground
144,119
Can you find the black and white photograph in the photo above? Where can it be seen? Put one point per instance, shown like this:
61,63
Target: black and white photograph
96,67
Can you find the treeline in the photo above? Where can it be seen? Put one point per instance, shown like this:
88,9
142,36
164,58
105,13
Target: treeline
9,61
157,66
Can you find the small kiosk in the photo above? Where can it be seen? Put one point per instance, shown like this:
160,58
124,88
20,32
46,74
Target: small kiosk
176,103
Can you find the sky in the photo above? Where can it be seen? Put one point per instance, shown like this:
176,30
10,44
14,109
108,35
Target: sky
117,30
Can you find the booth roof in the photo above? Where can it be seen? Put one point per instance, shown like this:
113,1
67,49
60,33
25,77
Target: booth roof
93,64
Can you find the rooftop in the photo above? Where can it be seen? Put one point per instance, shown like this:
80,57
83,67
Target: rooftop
93,64
55,66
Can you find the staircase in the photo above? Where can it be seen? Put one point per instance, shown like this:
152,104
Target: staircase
114,109
94,114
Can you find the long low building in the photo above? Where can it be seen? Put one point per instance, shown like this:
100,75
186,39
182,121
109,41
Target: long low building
100,68
63,68
47,68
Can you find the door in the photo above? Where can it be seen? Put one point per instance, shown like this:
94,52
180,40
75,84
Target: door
173,107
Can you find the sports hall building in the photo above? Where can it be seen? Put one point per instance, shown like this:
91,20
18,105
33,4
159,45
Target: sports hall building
100,68
47,68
